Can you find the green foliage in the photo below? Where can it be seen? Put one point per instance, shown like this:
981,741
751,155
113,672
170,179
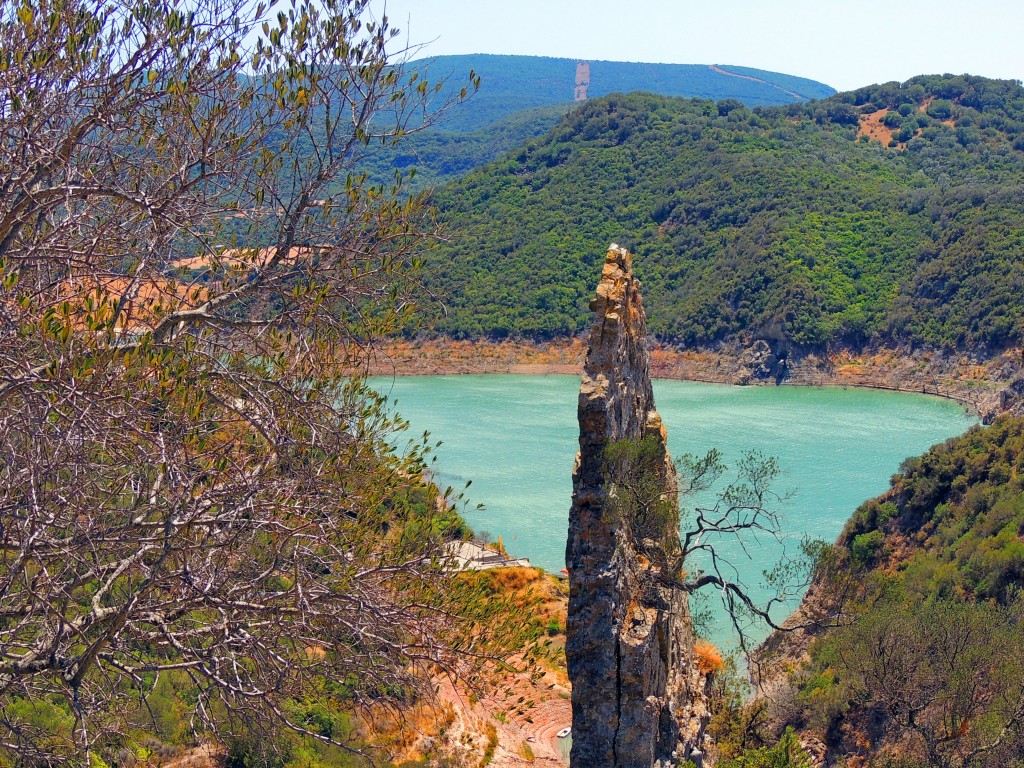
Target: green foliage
787,753
522,97
254,753
943,675
46,722
964,502
771,222
638,496
865,547
737,720
929,666
823,701
443,153
168,708
941,109
254,748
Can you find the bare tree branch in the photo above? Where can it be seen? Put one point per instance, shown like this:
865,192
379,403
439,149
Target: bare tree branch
194,480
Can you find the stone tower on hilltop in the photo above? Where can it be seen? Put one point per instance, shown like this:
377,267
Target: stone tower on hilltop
582,81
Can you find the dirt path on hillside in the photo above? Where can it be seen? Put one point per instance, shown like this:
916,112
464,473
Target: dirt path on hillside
719,70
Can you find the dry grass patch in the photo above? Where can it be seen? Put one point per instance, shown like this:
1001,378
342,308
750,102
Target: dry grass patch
707,657
871,125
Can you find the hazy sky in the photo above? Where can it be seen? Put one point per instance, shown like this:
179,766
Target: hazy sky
844,44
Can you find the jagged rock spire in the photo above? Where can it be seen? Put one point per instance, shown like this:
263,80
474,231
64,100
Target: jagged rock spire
636,699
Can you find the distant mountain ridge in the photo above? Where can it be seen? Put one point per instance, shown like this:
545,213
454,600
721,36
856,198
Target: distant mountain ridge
522,97
512,83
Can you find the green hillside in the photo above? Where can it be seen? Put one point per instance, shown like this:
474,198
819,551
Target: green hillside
511,83
926,665
782,223
963,505
521,97
439,155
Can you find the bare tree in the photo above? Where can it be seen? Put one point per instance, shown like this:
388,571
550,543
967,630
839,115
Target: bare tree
945,678
745,509
192,475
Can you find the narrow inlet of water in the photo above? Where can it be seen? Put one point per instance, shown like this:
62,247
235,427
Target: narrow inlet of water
516,438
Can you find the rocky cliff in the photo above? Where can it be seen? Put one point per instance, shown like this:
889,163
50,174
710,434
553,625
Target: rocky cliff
637,698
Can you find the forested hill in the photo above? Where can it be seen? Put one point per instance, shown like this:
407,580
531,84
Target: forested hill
894,213
509,84
926,666
521,97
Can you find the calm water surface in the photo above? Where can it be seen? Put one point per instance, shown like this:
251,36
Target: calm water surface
516,437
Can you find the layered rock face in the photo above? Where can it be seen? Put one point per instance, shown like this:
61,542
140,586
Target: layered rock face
637,699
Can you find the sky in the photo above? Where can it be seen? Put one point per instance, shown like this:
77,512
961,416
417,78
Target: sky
845,44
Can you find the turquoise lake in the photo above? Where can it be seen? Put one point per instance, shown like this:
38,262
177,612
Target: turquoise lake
516,437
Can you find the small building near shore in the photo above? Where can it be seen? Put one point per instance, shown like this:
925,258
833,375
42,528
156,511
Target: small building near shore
470,556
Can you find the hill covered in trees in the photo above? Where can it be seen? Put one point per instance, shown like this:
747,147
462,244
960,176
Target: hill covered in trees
925,665
510,84
521,97
795,224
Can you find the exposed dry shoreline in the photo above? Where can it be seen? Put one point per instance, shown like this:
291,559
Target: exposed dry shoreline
987,388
